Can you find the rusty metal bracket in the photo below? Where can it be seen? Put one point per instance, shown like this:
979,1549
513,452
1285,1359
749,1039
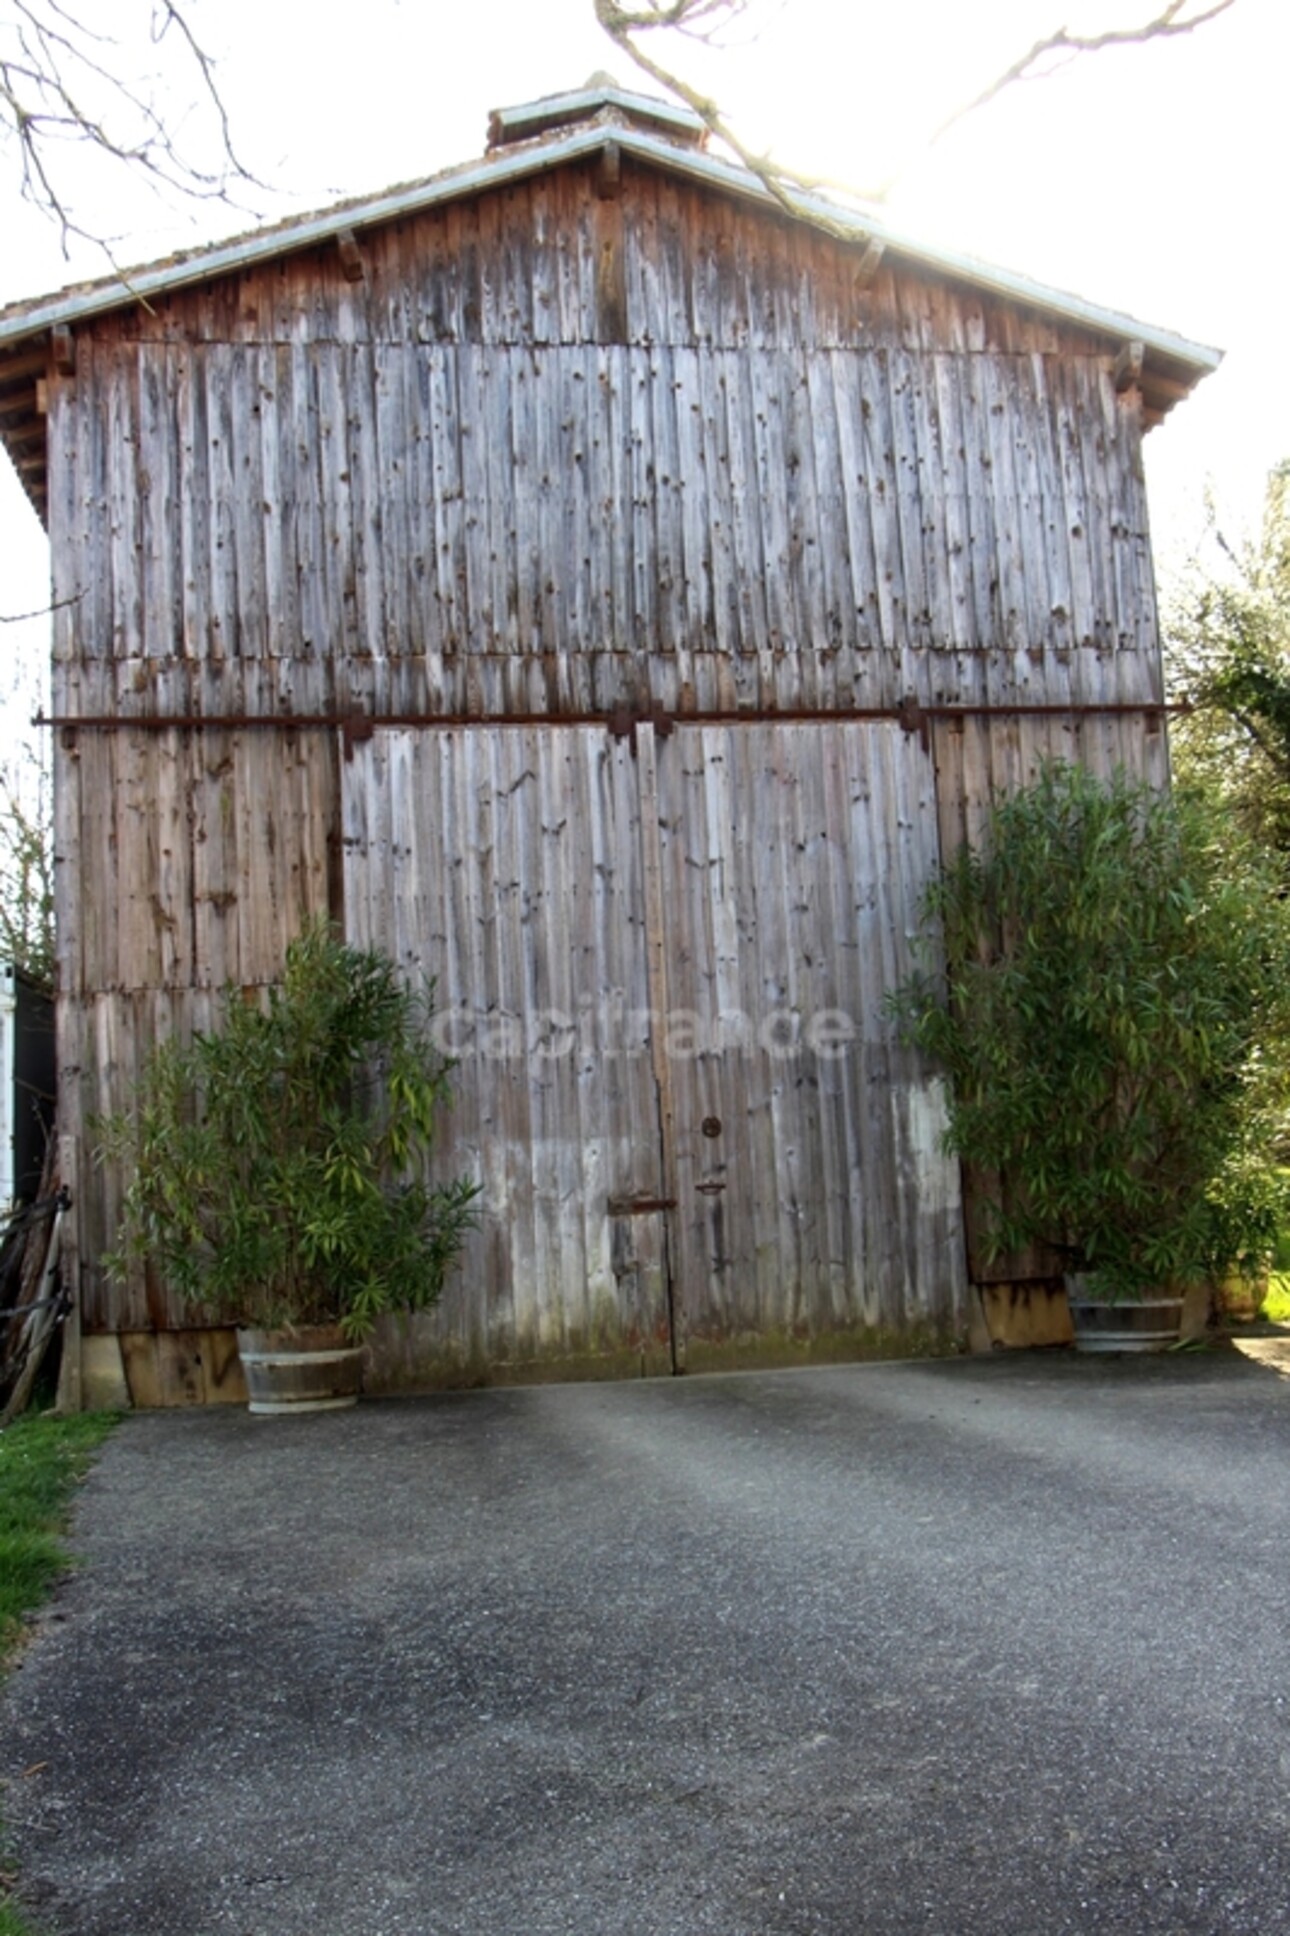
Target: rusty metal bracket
639,1206
913,719
624,720
355,729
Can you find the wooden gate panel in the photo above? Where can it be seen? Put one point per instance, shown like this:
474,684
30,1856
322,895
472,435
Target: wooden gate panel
814,1197
507,864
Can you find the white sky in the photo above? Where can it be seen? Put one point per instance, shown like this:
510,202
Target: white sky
1148,179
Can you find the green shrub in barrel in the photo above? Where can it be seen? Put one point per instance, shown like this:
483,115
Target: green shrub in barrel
1106,984
280,1165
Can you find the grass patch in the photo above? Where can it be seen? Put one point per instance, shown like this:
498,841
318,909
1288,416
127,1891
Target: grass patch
11,1923
1276,1306
41,1459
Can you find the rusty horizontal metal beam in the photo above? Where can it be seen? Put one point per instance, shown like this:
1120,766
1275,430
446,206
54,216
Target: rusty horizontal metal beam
356,727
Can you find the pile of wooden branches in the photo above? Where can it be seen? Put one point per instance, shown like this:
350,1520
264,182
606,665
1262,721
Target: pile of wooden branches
32,1299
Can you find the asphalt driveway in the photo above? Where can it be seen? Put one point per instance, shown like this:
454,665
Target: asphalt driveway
991,1646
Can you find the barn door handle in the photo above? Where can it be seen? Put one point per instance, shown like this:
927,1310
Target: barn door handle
709,1189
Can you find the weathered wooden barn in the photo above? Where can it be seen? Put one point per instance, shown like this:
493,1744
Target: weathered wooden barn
611,594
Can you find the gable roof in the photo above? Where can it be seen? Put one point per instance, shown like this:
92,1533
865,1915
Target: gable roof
526,141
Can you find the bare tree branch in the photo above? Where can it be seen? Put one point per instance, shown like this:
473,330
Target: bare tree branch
41,611
1172,21
171,16
703,19
1274,754
62,83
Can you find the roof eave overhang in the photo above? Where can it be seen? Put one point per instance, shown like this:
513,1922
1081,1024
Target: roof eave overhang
513,164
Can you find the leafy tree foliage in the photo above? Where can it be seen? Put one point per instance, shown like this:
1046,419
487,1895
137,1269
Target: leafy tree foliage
26,878
1228,651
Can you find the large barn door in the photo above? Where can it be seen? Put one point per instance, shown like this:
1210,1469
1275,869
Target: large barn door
662,962
813,1195
508,864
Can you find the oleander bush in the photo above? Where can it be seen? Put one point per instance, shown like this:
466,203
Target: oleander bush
1105,981
280,1165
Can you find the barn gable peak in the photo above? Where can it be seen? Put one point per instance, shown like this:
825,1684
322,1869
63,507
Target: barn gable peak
600,123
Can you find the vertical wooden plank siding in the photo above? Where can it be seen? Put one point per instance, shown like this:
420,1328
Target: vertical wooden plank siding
928,494
560,456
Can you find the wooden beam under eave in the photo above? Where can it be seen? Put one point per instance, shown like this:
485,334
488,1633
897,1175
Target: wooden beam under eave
609,172
20,405
866,269
26,436
1126,371
353,268
1166,386
30,363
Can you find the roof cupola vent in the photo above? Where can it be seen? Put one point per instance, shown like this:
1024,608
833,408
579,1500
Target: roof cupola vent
600,102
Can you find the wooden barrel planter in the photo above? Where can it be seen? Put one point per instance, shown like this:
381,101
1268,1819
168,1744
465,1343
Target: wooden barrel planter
1130,1324
1241,1297
309,1369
